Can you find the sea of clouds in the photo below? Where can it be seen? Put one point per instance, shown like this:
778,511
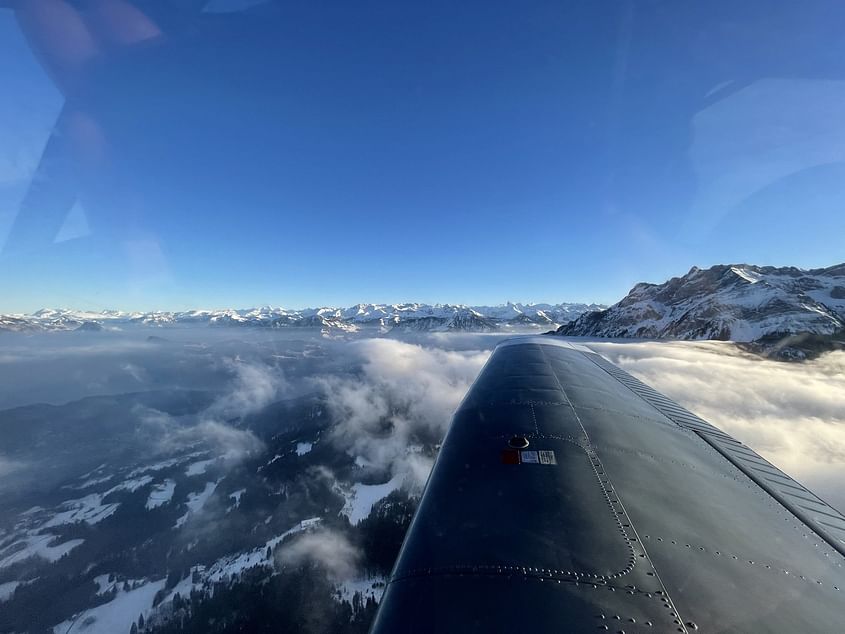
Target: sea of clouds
390,395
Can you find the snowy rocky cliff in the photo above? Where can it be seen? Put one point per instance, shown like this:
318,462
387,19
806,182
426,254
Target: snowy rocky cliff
739,302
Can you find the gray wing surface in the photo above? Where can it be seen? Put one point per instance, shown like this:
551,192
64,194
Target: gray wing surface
625,512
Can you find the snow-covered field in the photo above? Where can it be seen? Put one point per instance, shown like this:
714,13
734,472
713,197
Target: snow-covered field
362,497
367,587
116,616
7,589
196,501
234,565
161,494
89,509
42,546
198,468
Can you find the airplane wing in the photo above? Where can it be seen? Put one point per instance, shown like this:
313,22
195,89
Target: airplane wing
570,497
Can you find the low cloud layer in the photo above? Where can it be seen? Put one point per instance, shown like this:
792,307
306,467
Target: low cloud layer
8,467
791,413
327,548
253,386
404,394
390,396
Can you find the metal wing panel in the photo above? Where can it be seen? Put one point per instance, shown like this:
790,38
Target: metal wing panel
826,521
638,523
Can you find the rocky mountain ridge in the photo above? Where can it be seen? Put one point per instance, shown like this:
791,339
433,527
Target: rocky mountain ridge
410,316
762,305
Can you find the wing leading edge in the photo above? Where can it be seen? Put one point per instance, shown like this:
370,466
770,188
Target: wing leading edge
624,512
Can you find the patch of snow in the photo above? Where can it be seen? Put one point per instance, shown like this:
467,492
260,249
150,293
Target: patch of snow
747,274
158,466
233,565
360,500
92,472
161,494
90,482
198,468
303,448
8,589
89,509
236,496
229,567
103,584
184,588
196,501
368,587
115,616
164,464
38,546
131,485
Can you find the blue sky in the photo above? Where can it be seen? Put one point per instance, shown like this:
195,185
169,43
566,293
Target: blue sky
326,154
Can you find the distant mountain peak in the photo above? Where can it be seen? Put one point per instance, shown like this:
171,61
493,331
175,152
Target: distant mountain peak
738,302
408,316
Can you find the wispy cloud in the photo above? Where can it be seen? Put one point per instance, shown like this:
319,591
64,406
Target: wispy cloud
327,548
403,394
253,386
9,466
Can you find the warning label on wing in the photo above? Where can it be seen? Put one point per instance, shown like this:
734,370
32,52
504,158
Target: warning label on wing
547,457
511,456
529,456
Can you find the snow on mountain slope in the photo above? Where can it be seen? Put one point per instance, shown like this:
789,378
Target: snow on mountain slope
741,302
116,615
362,497
411,316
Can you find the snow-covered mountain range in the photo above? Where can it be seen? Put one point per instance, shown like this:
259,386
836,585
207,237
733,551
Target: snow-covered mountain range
736,302
412,317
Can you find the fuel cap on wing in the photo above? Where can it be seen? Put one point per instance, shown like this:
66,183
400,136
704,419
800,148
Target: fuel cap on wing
518,442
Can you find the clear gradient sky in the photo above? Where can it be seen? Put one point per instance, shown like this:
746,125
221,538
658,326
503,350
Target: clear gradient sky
326,153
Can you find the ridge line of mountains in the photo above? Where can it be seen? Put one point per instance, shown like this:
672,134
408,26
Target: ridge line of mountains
782,312
410,317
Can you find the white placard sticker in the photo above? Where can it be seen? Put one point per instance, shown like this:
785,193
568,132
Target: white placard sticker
529,456
547,457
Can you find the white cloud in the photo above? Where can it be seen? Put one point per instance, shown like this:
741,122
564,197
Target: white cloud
329,549
172,435
793,414
404,393
137,373
233,444
253,387
8,466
